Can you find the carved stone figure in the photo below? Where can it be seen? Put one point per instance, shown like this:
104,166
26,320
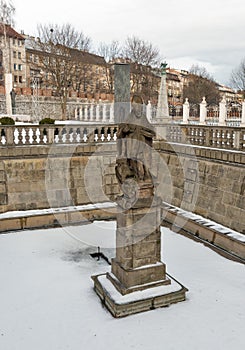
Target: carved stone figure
134,144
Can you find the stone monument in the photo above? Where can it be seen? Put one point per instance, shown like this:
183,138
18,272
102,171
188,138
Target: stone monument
138,280
162,115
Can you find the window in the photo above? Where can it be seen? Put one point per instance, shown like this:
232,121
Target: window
15,79
19,55
20,66
15,66
13,41
20,79
14,54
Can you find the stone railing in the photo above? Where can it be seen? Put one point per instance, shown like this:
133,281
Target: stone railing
200,135
102,112
59,134
208,136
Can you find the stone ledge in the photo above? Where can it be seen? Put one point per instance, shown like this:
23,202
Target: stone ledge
150,299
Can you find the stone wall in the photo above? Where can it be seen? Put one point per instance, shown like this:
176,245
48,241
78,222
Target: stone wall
201,180
43,177
48,106
205,181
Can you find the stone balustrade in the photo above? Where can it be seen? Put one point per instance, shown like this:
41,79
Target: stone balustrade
223,114
21,135
208,136
95,112
200,135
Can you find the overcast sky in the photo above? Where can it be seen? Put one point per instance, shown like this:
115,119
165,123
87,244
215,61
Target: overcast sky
210,33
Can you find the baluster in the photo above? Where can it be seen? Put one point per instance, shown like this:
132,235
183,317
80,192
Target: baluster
104,112
76,135
97,112
109,134
3,137
115,133
27,136
35,136
20,141
112,113
43,135
80,113
86,113
64,135
92,112
71,138
57,135
103,134
85,135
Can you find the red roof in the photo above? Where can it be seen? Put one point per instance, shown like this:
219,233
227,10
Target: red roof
10,32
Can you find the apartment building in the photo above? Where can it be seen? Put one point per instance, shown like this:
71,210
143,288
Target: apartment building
12,56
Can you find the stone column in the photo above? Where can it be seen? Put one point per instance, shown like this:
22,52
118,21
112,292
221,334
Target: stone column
186,111
162,116
122,92
203,111
243,114
222,112
8,89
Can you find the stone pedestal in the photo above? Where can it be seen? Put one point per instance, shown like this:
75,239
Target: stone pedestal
162,115
137,267
145,300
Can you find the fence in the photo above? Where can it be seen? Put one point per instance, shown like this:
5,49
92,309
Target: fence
59,134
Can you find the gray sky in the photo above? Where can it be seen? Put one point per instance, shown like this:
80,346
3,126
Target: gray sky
210,33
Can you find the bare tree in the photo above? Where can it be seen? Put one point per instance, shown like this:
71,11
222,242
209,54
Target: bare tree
111,52
7,11
201,84
60,57
200,72
65,35
145,59
141,52
238,77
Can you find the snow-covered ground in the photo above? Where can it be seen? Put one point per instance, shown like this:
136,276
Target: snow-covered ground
47,300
